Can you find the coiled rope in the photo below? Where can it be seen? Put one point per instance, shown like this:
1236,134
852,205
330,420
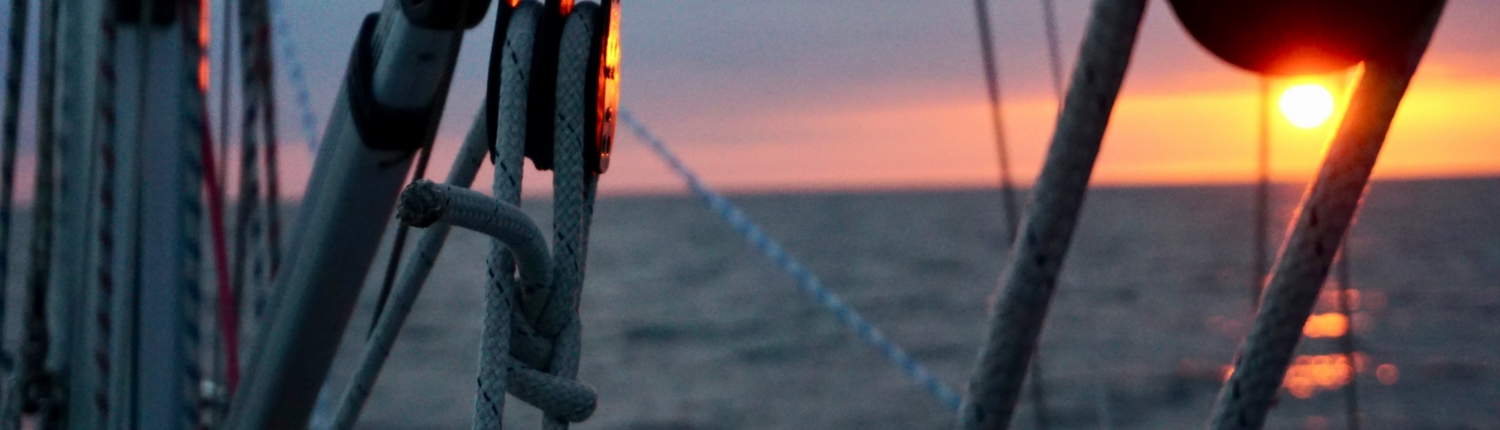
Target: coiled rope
806,281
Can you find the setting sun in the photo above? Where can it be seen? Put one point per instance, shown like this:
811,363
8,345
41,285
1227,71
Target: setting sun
1307,105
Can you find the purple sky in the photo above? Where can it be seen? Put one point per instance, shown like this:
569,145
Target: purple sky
786,94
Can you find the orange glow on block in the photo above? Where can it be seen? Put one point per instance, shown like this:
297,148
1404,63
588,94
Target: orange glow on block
205,30
203,74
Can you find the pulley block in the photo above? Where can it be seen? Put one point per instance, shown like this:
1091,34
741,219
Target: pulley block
1293,37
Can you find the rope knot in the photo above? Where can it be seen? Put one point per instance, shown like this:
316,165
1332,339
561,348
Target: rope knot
422,204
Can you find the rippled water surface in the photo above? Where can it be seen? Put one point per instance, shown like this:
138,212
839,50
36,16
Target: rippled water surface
686,327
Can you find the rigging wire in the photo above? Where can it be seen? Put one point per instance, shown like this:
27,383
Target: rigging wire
1346,342
195,31
131,325
806,280
226,47
35,383
1259,261
1008,193
267,63
1054,54
16,57
423,157
992,82
225,72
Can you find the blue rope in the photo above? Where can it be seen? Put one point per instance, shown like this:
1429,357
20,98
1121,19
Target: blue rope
294,73
806,281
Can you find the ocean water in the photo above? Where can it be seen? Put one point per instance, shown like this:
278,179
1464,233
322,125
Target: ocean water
687,327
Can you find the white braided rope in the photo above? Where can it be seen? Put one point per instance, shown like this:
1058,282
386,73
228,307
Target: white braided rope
104,138
190,241
1325,215
425,203
509,158
1026,289
572,196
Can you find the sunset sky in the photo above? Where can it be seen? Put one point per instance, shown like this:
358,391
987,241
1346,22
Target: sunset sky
796,95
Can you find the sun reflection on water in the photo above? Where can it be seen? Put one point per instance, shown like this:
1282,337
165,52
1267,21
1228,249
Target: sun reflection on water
1310,374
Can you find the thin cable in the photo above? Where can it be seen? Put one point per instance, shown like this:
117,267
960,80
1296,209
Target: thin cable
418,265
198,121
806,281
1054,51
1346,342
423,157
1259,251
225,73
17,60
147,10
36,383
992,82
226,47
268,131
228,310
